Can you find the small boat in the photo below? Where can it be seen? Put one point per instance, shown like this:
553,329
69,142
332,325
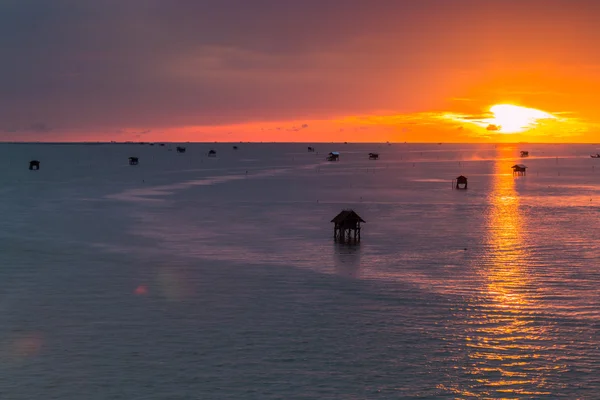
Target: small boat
597,155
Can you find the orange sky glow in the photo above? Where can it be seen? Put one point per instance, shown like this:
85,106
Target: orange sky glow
427,71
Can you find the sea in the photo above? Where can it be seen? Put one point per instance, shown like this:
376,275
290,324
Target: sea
196,277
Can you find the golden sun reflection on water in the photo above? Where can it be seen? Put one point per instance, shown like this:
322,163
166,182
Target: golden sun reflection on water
505,240
505,342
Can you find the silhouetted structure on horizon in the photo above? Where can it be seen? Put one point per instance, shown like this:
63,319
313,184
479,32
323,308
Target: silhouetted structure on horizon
212,153
180,149
373,156
34,165
461,183
519,170
347,226
524,154
311,149
133,161
333,156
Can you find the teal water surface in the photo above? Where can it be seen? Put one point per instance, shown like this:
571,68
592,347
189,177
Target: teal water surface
189,277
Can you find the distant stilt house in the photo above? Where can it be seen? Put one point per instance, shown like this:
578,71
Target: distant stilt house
212,153
311,149
333,156
180,149
347,226
373,156
519,170
151,144
162,144
235,147
461,183
524,154
34,165
133,161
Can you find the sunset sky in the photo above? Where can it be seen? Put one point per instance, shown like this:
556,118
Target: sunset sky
306,71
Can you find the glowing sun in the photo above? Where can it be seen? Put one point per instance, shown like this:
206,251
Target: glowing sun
513,119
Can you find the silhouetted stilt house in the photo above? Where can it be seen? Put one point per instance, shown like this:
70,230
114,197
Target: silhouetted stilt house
180,149
235,147
212,153
519,170
333,156
461,183
34,165
373,156
311,149
133,161
347,226
524,154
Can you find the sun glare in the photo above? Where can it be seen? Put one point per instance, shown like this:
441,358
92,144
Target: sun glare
513,119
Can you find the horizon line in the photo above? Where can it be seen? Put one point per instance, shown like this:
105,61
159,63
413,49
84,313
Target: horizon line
269,142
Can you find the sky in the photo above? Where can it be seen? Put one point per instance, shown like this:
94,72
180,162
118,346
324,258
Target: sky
303,71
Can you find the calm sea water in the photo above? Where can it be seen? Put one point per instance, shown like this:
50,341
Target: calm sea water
188,277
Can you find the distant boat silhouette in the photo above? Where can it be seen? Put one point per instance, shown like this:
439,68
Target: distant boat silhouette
597,155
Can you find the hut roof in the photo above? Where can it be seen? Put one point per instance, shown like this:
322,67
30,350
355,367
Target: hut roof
461,178
519,166
347,215
335,153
